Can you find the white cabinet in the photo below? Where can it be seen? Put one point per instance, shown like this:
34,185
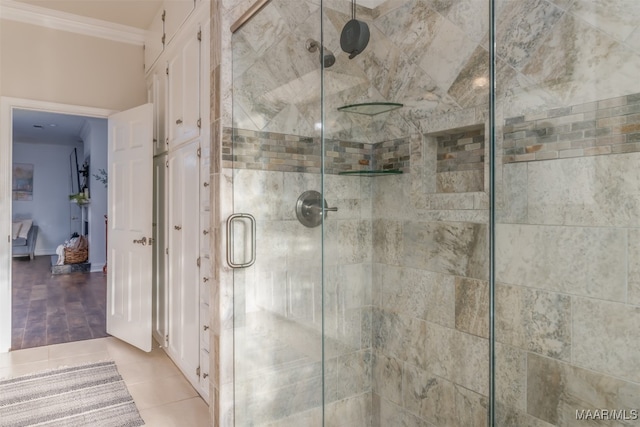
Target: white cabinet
154,40
183,271
183,71
177,12
165,26
182,204
157,94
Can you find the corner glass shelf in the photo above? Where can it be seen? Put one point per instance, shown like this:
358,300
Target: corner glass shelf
370,108
372,173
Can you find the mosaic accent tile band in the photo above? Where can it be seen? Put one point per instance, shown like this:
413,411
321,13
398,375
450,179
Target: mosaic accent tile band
609,126
291,153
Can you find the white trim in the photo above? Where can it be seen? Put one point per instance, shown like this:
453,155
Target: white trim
29,14
7,105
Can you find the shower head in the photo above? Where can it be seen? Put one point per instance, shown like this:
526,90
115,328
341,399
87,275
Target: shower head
327,58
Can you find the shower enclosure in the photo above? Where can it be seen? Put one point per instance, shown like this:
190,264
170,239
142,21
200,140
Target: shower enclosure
444,229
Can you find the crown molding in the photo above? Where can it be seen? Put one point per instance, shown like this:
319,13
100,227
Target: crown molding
29,14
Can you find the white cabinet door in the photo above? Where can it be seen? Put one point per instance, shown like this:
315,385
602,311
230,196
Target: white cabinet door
153,43
183,234
159,246
177,12
157,94
184,90
130,193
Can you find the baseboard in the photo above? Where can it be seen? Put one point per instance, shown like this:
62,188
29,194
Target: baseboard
96,267
47,252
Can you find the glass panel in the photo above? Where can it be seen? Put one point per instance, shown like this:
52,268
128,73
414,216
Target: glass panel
275,156
406,255
567,240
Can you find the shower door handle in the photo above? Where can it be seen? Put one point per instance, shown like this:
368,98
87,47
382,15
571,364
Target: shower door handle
230,243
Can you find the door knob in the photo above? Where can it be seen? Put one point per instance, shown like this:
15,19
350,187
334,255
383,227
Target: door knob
177,227
142,241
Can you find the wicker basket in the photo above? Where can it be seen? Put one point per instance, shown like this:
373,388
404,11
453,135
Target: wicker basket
78,252
75,256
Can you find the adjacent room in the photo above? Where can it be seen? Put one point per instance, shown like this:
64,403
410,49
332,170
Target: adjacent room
59,205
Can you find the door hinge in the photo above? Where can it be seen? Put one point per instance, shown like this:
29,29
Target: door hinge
198,261
198,371
167,163
166,69
150,240
164,15
164,38
199,152
9,238
199,122
166,251
199,35
166,339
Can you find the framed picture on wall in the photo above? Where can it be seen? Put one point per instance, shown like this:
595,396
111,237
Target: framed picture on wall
22,181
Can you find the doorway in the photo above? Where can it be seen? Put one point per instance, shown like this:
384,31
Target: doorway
59,190
73,303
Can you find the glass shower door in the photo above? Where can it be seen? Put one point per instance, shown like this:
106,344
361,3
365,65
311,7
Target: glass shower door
273,152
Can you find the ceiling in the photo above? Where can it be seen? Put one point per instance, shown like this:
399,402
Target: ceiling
41,127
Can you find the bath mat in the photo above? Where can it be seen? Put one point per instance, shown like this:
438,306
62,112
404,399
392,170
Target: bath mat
78,396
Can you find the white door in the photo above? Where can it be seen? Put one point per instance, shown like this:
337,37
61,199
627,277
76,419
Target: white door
129,274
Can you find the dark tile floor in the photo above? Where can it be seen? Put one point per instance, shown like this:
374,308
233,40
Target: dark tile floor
51,309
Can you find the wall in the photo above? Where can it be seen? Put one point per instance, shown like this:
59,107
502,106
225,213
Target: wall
94,136
69,68
50,208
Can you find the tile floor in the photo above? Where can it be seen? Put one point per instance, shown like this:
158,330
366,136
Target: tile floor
163,396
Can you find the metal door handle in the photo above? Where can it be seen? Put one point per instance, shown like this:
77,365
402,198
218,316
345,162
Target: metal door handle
179,121
230,257
142,241
177,227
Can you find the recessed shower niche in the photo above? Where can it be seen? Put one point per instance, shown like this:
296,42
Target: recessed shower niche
460,160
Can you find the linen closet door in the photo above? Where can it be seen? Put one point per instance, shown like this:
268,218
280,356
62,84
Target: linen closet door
183,252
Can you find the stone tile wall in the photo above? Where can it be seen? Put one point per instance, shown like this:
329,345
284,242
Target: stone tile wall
567,307
430,299
610,126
